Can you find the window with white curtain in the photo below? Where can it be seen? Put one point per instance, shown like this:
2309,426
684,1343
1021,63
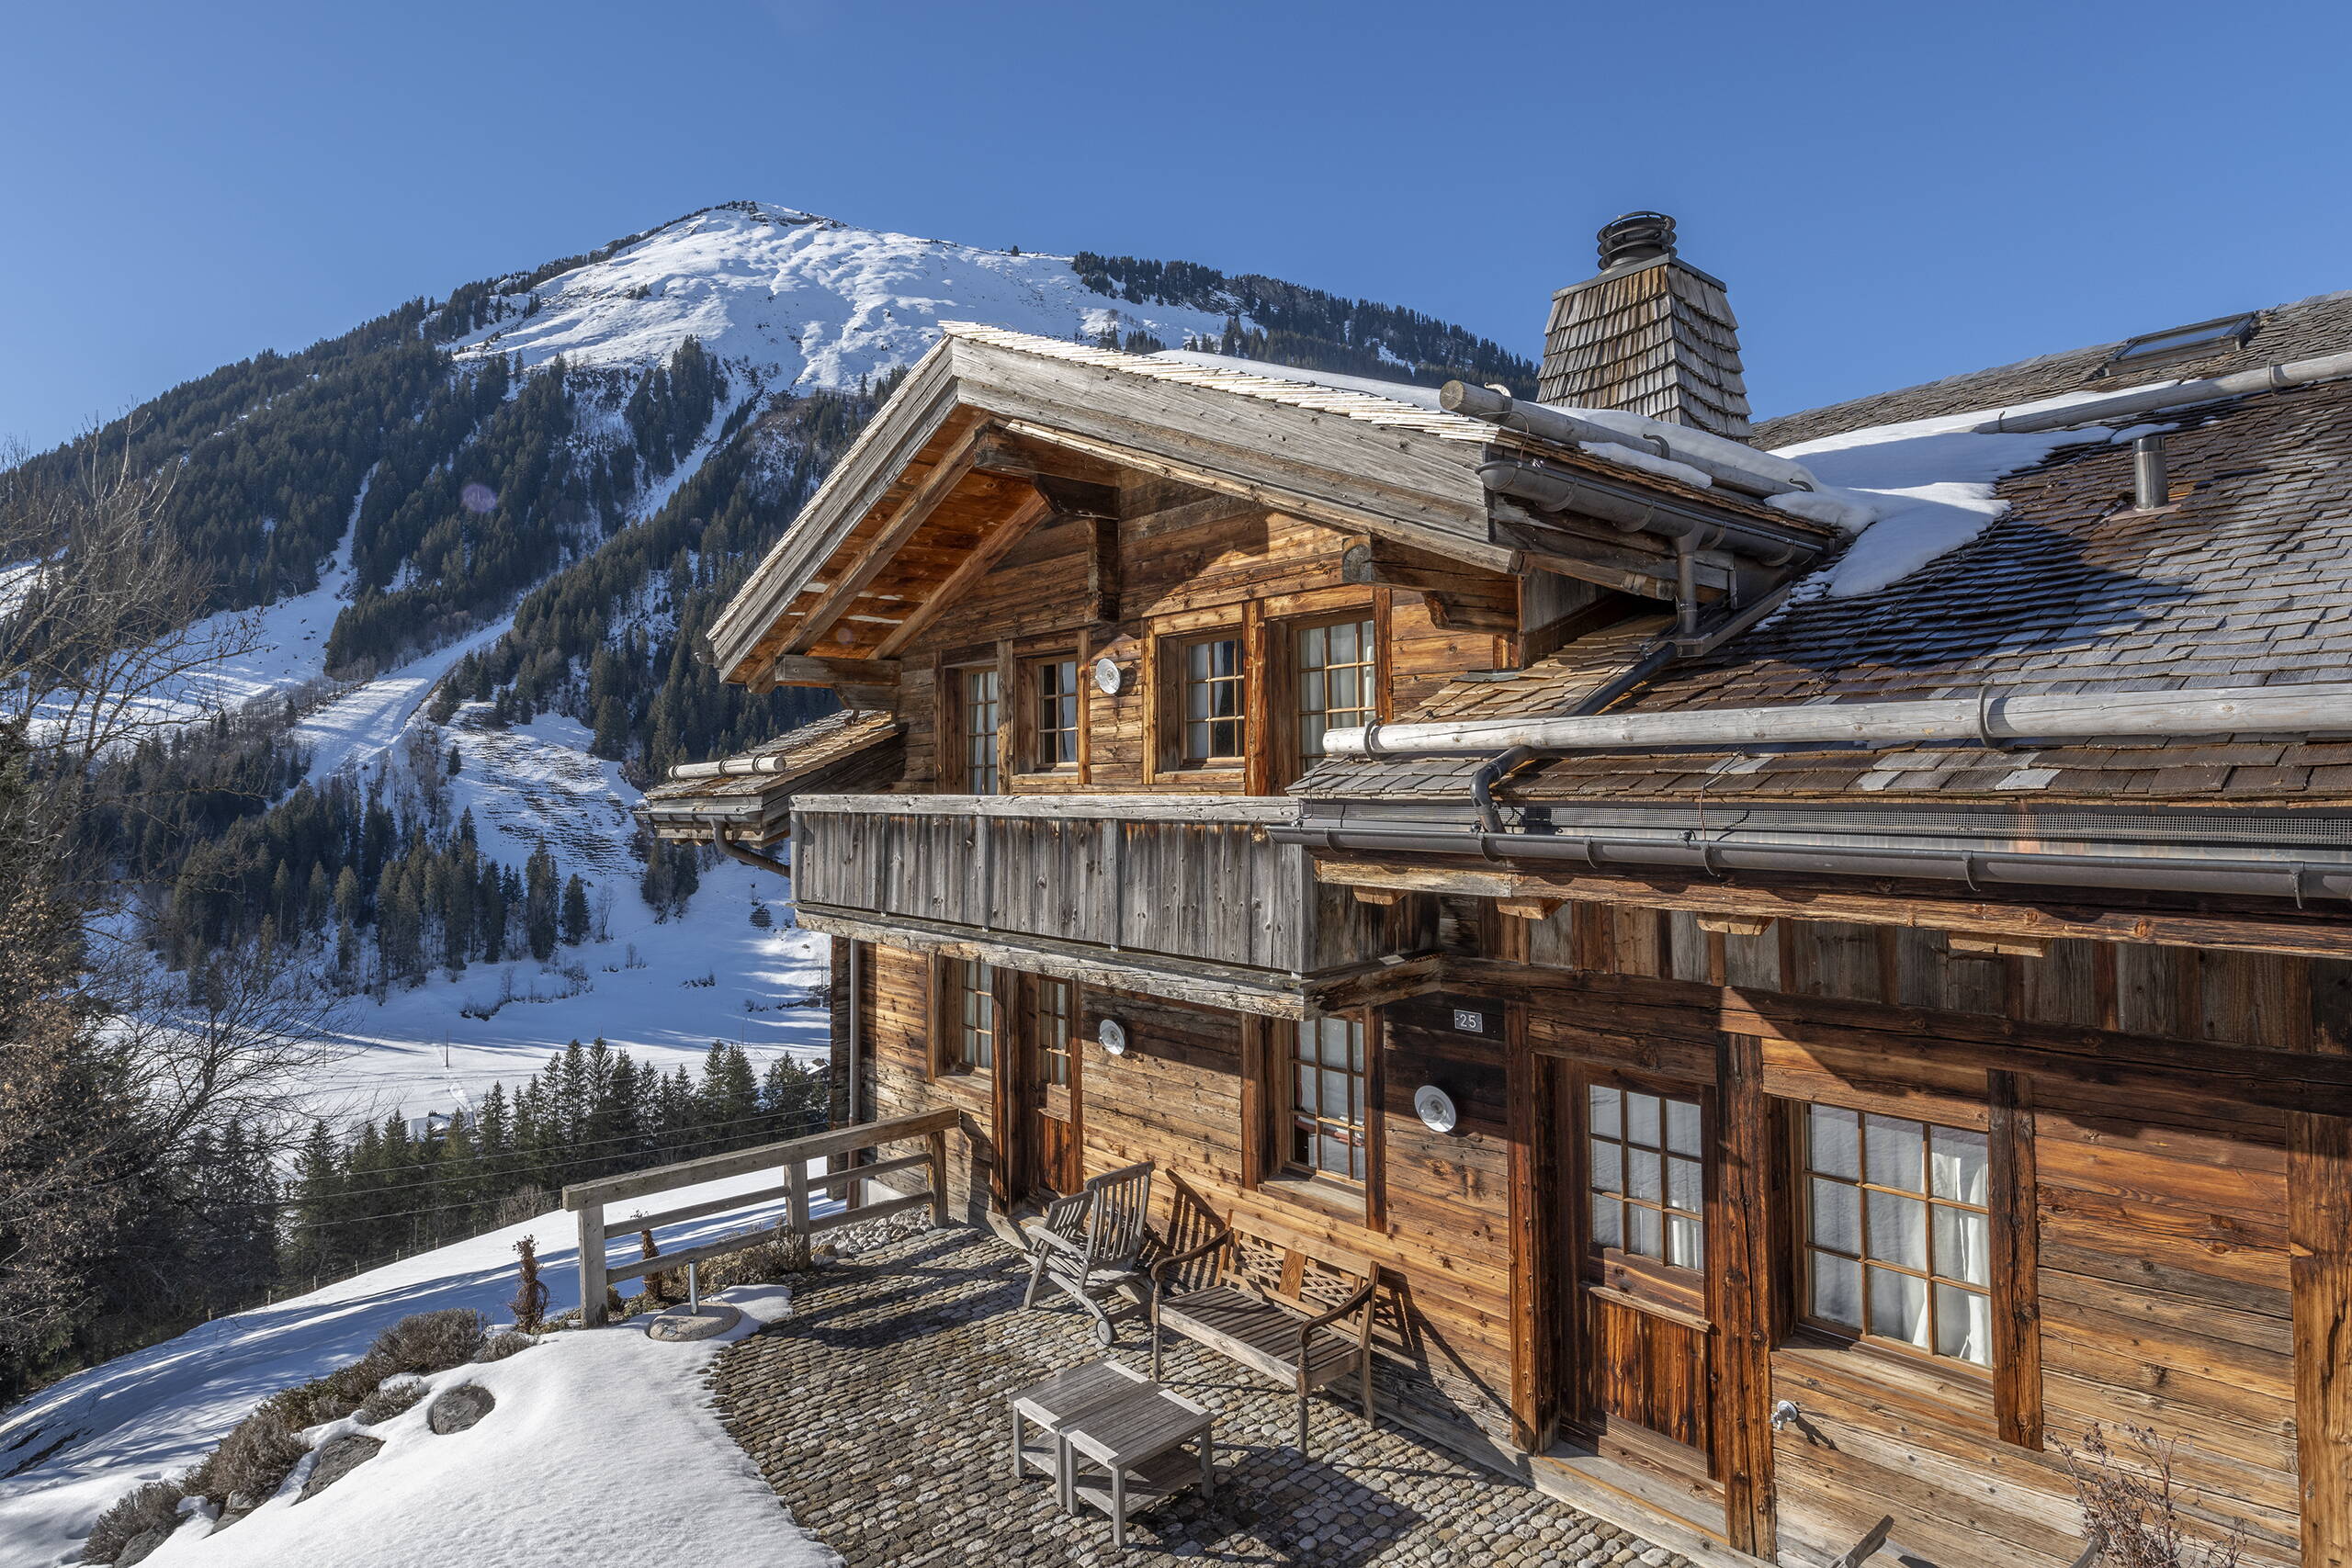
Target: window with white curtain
1645,1158
1897,1232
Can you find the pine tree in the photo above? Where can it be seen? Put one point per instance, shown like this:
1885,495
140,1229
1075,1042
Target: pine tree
575,910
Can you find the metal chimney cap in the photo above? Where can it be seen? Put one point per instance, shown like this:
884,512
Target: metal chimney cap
1635,237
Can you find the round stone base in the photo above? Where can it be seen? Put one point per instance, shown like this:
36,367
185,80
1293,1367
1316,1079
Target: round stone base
678,1325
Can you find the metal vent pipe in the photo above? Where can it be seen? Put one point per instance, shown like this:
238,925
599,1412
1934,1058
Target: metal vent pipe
1987,716
2175,395
2150,489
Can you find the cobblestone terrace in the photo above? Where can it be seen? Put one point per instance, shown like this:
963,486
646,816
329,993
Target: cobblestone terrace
878,1414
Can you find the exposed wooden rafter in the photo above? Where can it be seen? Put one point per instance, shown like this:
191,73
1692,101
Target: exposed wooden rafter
844,590
976,565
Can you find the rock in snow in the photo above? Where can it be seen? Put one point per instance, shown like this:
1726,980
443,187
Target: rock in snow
337,1458
459,1408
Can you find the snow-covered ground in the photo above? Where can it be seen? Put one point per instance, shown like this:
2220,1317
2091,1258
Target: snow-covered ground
804,301
602,1449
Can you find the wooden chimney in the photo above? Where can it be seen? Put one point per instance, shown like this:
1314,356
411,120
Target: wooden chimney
1650,333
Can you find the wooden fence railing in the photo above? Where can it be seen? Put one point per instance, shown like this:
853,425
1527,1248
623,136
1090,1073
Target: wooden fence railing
589,1199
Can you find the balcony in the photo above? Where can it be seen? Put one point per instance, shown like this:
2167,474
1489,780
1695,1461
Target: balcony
1181,896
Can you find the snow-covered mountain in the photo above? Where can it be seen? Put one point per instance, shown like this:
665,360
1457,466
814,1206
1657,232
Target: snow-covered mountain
800,301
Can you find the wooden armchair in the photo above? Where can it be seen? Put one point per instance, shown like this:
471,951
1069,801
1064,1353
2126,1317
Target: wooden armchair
1260,1301
1089,1243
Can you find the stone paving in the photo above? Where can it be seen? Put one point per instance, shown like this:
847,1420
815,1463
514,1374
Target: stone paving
878,1412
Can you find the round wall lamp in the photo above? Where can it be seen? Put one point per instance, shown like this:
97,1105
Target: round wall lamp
1435,1108
1112,1035
1109,677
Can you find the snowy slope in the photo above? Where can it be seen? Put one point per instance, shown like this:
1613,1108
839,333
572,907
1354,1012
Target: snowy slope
580,1417
803,301
663,990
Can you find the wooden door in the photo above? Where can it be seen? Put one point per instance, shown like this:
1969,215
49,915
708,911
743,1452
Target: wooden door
1640,1175
1058,1165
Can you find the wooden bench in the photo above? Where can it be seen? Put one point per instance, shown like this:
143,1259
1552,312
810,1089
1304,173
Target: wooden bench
1260,1300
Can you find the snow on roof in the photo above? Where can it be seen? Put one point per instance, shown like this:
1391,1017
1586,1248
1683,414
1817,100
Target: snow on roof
1915,492
1392,403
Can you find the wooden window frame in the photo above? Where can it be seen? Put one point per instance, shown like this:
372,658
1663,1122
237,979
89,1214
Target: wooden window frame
956,733
1293,685
1805,1324
1268,1050
1030,729
1173,658
954,1045
1046,1056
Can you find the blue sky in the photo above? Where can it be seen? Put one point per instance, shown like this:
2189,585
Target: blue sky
1893,191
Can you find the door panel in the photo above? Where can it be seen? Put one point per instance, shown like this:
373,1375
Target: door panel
1640,1175
1055,1125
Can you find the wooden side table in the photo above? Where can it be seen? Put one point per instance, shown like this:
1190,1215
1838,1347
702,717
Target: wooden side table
1138,1440
1054,1402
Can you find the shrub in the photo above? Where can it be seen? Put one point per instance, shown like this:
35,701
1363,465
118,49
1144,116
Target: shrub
763,1264
2134,1511
430,1341
505,1343
395,1395
253,1460
530,1303
153,1506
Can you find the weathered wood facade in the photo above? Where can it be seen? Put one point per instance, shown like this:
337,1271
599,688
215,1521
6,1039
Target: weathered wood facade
1769,1207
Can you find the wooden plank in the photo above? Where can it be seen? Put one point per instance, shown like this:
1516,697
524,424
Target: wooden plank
801,670
1142,807
2015,1223
593,1275
2319,1187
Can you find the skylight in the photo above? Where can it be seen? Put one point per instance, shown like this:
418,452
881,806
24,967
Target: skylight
2195,342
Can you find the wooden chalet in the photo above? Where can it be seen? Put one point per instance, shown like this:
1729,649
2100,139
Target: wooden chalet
1793,1066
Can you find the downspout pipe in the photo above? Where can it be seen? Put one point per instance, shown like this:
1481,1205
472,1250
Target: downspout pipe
1756,473
1986,717
725,845
1549,489
1977,867
2175,395
1493,772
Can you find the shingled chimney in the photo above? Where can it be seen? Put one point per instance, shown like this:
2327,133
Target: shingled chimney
1650,333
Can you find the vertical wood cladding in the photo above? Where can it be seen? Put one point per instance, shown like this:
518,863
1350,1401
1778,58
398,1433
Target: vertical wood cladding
2152,1227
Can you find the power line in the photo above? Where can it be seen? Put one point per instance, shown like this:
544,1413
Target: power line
688,1134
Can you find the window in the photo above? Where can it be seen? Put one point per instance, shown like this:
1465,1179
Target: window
975,1001
1336,680
978,689
1896,1240
1050,1029
1327,1098
2219,335
1214,724
1645,1156
1053,731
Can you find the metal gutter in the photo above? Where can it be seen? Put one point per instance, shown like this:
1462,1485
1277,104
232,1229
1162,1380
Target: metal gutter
1984,717
1978,865
2174,395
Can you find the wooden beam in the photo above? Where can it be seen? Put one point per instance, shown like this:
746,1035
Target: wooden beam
2319,1237
951,470
1518,908
1103,577
2016,1224
1008,533
1386,898
804,670
2004,945
1674,1018
1736,925
1533,1263
2316,936
1742,1292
